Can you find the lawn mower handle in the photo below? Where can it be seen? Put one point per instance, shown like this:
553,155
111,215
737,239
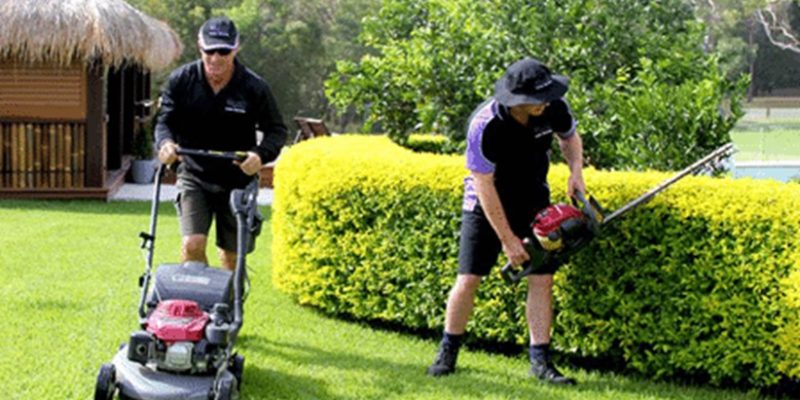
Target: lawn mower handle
148,238
244,205
223,155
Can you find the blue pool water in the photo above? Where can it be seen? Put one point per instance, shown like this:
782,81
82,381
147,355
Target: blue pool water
783,171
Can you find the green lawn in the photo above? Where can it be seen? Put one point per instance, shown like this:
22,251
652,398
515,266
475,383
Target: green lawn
765,139
69,272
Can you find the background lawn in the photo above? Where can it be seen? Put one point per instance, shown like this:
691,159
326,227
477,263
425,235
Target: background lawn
768,139
69,272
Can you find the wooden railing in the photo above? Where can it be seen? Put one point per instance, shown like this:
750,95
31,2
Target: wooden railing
42,155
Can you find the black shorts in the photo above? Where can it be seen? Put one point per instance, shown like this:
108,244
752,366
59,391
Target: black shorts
197,205
479,245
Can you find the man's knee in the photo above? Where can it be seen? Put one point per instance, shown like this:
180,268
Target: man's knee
466,285
194,247
227,258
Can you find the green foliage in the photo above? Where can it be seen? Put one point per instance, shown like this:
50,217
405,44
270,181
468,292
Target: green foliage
696,282
437,144
436,60
650,122
143,143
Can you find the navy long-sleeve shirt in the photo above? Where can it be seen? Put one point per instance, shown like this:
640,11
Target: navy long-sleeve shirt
193,116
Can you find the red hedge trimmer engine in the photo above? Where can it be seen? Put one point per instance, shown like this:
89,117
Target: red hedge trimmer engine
560,226
561,229
558,230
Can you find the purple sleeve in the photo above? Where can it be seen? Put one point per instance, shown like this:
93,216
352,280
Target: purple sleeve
476,159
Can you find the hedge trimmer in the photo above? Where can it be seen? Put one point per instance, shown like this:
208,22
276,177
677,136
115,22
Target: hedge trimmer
560,230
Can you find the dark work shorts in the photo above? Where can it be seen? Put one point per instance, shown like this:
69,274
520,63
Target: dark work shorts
479,245
198,204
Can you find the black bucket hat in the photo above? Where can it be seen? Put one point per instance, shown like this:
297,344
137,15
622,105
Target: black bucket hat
528,81
218,33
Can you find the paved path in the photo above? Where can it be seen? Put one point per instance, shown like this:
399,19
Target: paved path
134,192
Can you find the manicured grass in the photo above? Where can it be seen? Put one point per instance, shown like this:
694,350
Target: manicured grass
69,272
763,139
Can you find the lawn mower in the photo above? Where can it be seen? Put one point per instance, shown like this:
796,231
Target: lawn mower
560,230
189,319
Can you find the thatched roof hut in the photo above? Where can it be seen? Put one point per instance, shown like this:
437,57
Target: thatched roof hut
111,31
75,93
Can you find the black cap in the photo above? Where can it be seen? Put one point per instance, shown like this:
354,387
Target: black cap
218,33
529,82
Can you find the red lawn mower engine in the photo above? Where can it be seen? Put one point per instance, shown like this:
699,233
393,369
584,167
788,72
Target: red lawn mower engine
558,230
180,337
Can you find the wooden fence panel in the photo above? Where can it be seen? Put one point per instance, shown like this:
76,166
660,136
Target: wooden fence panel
42,155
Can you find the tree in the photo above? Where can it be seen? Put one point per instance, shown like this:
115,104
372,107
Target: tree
734,32
645,92
779,20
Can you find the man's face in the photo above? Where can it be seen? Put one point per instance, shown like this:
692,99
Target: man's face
524,111
218,62
535,110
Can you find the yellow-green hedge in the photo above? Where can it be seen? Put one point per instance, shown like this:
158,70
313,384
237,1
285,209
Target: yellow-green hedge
703,280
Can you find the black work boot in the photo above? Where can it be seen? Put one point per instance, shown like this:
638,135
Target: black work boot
547,372
445,362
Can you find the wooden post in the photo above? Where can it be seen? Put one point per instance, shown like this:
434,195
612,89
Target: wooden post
81,155
60,155
29,156
2,155
37,159
44,152
95,129
68,156
51,157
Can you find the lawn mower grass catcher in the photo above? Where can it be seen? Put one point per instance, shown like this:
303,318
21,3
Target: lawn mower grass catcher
189,319
560,230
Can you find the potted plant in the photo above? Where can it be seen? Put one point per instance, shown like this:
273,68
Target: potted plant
143,166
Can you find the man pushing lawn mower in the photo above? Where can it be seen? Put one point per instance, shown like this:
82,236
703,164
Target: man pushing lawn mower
215,103
508,140
190,318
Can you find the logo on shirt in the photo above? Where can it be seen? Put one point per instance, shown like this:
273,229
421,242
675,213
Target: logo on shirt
543,133
236,108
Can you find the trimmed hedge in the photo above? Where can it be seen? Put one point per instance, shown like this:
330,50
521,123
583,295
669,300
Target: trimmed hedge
438,144
703,280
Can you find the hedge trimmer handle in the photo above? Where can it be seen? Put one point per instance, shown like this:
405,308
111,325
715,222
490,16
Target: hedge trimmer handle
223,155
535,261
591,208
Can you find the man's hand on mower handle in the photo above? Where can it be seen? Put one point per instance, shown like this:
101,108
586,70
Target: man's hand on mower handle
251,164
515,251
168,153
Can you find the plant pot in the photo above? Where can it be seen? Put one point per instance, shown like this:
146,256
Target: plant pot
143,171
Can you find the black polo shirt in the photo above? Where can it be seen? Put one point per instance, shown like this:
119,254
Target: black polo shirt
517,154
193,116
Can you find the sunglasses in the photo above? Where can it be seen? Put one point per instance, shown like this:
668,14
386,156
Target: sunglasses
222,52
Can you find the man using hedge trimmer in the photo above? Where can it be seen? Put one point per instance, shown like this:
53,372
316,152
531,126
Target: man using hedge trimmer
507,143
561,229
508,140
